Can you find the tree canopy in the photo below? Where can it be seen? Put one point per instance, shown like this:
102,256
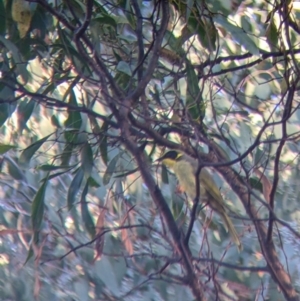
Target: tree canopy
92,93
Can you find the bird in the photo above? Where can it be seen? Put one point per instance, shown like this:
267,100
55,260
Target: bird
185,168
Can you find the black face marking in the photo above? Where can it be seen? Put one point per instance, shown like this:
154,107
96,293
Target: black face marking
169,155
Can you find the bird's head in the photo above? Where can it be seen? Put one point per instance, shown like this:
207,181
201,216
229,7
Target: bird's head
170,158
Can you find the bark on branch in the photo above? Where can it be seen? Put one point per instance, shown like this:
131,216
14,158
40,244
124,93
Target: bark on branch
276,269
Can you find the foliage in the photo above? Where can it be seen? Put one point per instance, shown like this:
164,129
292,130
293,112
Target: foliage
92,93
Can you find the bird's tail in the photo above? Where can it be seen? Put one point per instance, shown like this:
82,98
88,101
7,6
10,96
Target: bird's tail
232,231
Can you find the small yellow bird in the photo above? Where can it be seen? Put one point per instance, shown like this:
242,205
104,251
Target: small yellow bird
185,168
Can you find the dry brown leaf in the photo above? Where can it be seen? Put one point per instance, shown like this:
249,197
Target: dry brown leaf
37,285
100,221
100,238
124,232
8,231
126,216
38,250
126,241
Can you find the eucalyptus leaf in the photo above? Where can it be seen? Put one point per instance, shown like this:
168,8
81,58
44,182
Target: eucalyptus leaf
103,143
38,207
93,183
4,109
110,170
14,170
124,68
55,121
74,119
107,20
126,173
67,153
238,34
82,287
2,19
74,188
25,110
49,167
29,255
5,148
28,152
18,60
109,278
256,184
87,160
194,99
85,213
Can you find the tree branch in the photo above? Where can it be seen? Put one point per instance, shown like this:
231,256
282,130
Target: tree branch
278,273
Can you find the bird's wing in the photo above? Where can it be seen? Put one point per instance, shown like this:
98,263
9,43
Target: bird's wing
210,186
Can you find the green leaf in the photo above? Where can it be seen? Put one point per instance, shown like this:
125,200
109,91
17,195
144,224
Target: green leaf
117,56
49,167
39,21
55,121
122,79
25,109
109,278
70,92
74,119
192,80
126,173
18,60
110,169
174,43
3,113
73,136
5,148
106,19
93,183
67,47
28,152
87,160
56,174
124,68
49,89
256,184
103,143
264,152
74,188
29,254
211,35
8,101
14,170
2,19
206,31
119,267
66,155
189,6
129,13
38,207
238,34
81,287
194,99
85,213
272,35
